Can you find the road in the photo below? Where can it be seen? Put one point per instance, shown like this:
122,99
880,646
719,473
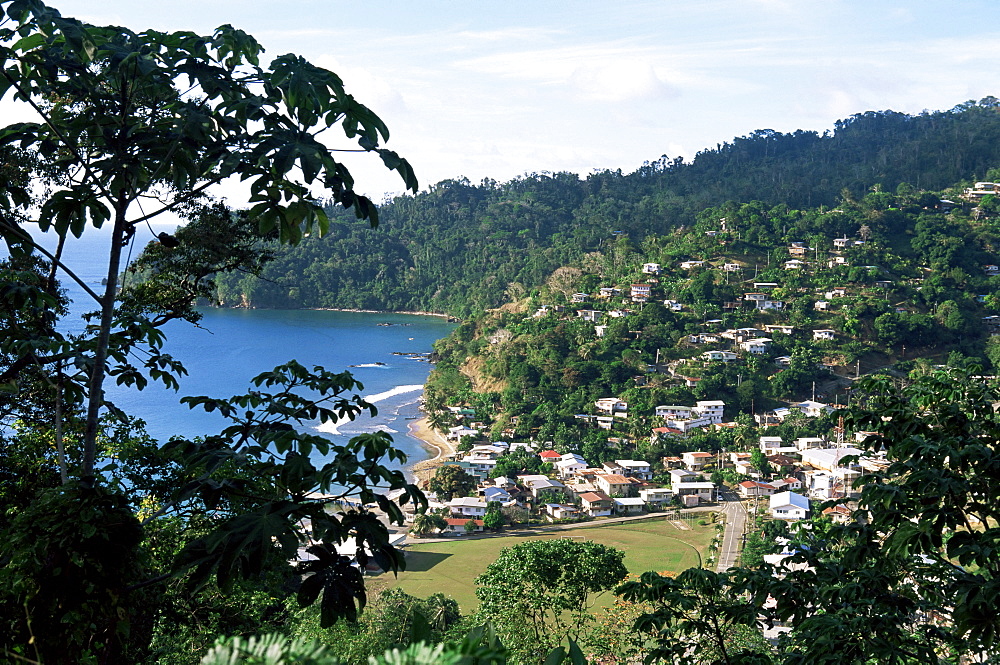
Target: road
732,539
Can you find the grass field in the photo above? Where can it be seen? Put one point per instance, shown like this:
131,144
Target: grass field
451,565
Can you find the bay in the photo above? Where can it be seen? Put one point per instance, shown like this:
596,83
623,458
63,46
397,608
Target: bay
231,346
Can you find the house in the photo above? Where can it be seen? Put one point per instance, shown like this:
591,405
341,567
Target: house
837,261
704,491
823,335
678,476
798,249
843,243
839,514
496,494
456,526
559,511
789,483
629,506
609,291
656,496
836,292
674,412
784,330
765,286
688,265
696,461
611,405
751,489
723,356
673,305
467,506
789,506
783,361
635,469
756,347
597,504
821,305
731,267
591,315
773,445
651,268
795,264
807,442
580,297
536,484
614,484
827,459
456,433
640,290
479,465
569,464
812,409
712,409
981,189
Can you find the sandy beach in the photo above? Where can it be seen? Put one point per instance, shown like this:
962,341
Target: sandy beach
421,429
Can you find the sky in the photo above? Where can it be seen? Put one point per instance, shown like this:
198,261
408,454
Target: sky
498,90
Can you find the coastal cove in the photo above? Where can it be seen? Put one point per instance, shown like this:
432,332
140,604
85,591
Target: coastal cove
386,352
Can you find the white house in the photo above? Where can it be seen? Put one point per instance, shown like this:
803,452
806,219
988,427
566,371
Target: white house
592,315
467,506
789,506
711,409
651,268
640,290
827,459
579,297
821,335
635,468
705,491
812,409
611,405
656,496
757,346
774,445
724,356
688,265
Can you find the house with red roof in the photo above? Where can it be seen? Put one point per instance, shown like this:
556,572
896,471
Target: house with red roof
550,456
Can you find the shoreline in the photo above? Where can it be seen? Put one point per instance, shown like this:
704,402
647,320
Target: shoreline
425,469
378,311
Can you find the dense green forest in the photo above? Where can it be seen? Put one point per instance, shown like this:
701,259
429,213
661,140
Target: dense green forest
460,247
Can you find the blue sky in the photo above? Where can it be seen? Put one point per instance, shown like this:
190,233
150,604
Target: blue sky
490,89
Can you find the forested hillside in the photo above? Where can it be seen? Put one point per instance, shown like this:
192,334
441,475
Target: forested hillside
461,247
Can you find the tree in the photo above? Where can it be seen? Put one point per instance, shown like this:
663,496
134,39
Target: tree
451,480
425,523
759,461
541,592
132,126
493,519
697,618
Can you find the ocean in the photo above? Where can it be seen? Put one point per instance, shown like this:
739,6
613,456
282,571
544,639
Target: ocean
231,346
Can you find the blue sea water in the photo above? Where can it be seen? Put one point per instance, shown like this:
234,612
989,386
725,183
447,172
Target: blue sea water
230,346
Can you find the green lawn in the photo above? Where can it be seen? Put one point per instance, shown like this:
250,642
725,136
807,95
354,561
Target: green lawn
451,565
